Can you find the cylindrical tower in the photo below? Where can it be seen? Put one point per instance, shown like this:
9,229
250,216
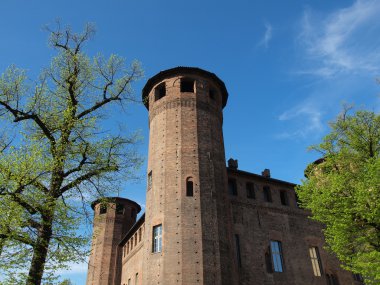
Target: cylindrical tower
113,217
187,215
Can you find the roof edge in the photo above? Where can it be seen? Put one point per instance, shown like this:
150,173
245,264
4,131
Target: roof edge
260,176
111,199
182,70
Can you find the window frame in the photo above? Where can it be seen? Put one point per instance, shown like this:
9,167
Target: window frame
316,261
157,238
277,256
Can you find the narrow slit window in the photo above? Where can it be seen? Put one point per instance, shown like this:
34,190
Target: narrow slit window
157,239
187,85
135,239
315,261
284,198
238,253
149,182
267,194
232,187
250,190
160,91
276,252
140,234
136,279
189,188
128,247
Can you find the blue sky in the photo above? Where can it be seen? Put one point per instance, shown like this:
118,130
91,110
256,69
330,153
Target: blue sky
288,65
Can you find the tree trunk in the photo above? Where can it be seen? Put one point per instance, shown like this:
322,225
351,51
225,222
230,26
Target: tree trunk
40,251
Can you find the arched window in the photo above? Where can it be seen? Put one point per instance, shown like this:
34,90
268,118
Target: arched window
189,187
160,91
103,209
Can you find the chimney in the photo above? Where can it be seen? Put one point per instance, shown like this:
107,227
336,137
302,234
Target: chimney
233,164
266,173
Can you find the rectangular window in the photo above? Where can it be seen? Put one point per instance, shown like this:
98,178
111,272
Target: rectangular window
149,180
157,238
315,261
238,254
232,187
276,252
284,198
187,85
250,190
267,194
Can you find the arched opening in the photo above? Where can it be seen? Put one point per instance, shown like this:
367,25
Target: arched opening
187,85
189,187
160,91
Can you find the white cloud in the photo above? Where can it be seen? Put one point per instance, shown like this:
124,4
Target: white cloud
310,119
343,41
267,36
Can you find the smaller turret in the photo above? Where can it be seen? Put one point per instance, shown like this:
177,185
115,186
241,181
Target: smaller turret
113,218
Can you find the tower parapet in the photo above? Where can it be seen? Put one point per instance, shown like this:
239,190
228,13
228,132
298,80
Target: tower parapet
113,217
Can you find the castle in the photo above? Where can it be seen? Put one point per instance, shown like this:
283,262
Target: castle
204,223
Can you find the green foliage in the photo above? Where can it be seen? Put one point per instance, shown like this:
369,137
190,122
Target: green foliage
55,157
343,192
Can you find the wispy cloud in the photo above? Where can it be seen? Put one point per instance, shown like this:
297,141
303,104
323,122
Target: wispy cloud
345,41
310,119
267,36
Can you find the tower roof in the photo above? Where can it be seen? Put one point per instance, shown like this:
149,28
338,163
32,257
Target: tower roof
182,70
115,200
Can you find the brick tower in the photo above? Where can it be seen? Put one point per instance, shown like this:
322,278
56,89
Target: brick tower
188,221
113,217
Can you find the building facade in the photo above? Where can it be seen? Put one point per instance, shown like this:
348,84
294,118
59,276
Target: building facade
205,223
